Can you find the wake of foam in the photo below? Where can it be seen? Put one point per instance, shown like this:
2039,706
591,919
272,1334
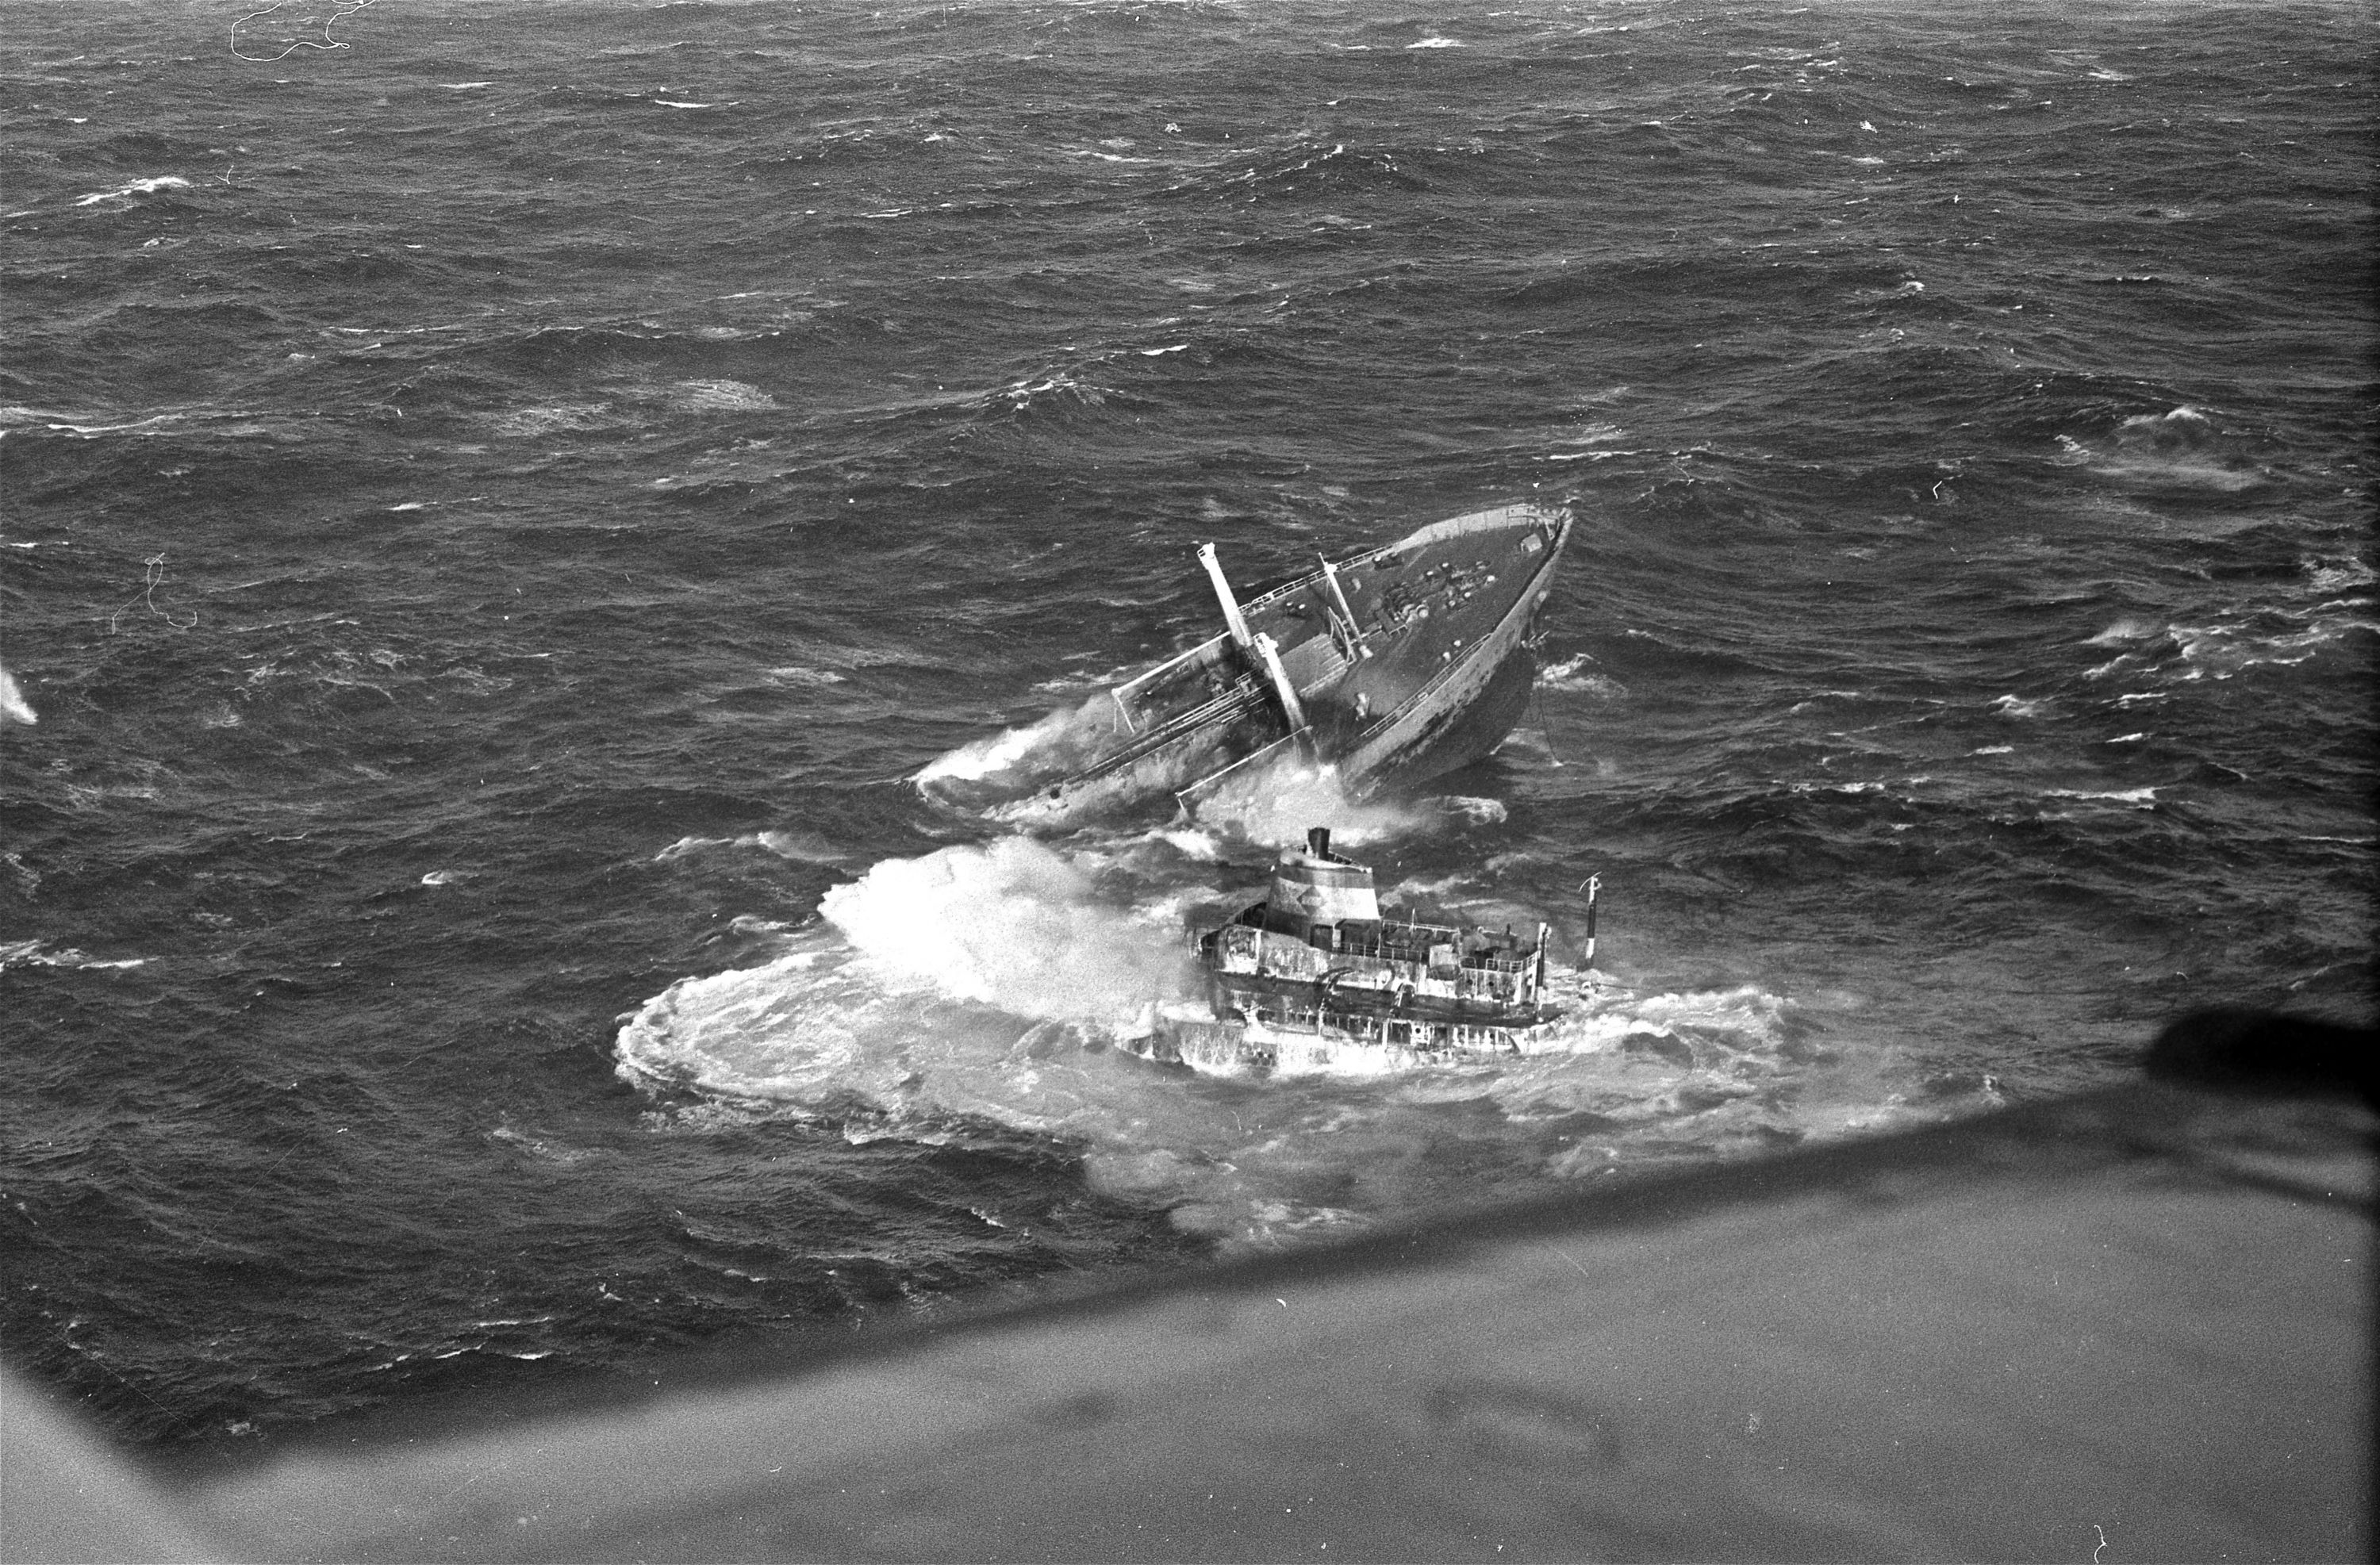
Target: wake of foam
1004,983
1274,806
1012,925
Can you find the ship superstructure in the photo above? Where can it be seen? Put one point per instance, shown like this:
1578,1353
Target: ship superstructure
1319,968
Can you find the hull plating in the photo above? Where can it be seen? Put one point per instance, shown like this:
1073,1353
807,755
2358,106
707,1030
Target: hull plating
1391,667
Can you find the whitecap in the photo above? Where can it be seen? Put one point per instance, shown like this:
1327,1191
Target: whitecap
2139,798
721,396
796,844
1435,43
801,846
549,421
1807,702
1022,393
2182,449
13,708
2130,629
36,953
686,845
2221,652
137,187
1059,735
1576,673
2337,576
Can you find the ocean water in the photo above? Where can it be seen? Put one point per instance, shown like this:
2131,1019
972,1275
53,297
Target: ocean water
510,512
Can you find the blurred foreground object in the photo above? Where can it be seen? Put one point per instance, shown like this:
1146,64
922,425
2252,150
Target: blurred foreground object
2131,1325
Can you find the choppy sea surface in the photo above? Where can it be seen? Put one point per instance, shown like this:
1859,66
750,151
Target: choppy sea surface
510,509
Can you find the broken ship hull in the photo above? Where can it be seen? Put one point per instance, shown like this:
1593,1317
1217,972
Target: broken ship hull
1387,668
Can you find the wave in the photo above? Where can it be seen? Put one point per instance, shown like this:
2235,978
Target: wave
799,846
719,396
2139,798
2231,647
2181,451
13,708
1018,759
2224,645
1577,674
38,953
135,187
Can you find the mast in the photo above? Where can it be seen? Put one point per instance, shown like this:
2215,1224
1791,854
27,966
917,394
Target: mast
1231,616
1291,707
1259,649
1355,647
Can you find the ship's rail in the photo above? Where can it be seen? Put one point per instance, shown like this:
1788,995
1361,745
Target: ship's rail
1423,1036
1236,701
1407,941
1524,606
1497,987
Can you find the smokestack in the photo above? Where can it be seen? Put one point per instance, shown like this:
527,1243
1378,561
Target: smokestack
1317,841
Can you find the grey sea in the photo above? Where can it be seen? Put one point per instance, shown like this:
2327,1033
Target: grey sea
515,516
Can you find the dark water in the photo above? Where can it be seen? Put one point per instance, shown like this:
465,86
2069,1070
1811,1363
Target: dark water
500,514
